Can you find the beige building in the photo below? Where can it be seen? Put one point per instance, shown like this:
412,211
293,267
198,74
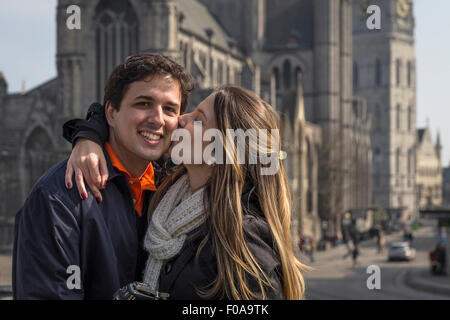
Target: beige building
428,170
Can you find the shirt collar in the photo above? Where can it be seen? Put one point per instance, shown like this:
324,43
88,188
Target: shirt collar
147,179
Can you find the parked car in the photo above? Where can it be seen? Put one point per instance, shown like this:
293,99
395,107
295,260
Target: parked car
401,251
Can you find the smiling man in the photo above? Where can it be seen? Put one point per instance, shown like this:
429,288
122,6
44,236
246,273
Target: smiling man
67,248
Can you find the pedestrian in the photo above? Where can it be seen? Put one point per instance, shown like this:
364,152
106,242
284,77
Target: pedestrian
355,254
440,258
312,249
301,241
380,241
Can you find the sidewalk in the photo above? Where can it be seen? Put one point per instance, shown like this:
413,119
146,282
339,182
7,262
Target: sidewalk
5,276
421,279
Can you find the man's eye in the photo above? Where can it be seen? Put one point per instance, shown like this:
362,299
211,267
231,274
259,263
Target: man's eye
170,109
144,104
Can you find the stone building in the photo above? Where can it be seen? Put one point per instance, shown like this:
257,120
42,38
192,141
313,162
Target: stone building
384,74
446,187
428,170
296,54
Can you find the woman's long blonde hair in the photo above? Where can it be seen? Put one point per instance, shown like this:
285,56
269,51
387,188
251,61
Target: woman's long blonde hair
238,108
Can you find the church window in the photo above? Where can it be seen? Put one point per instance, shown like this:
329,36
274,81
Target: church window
287,74
116,37
276,73
219,73
378,73
409,73
298,71
355,75
377,117
409,118
39,155
398,70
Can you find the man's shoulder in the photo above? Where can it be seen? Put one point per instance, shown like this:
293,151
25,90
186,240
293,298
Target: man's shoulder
49,198
52,182
53,178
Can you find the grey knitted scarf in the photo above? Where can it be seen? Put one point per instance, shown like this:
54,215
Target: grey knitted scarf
178,213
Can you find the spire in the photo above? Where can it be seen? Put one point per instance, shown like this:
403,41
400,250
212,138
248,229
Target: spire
438,145
3,85
438,138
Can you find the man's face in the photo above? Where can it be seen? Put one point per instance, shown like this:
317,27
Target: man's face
140,131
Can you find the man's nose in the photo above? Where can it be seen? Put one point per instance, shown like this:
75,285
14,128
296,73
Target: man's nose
156,118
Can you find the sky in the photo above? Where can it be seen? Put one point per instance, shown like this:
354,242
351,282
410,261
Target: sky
28,49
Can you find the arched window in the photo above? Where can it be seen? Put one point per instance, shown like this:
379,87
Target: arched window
298,71
378,73
287,74
410,163
409,118
398,68
39,155
398,116
355,75
116,37
220,73
276,73
409,73
377,117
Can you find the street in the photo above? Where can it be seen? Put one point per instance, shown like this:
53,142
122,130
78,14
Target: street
335,278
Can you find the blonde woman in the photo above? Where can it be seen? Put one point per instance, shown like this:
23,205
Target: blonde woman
219,229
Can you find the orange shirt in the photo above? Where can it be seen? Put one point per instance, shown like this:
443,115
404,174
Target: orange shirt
137,185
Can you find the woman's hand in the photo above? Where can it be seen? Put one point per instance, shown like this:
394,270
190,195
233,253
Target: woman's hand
87,161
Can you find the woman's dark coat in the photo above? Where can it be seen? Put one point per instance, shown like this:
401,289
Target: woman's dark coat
180,276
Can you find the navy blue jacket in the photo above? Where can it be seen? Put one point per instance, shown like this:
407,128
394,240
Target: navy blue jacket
55,229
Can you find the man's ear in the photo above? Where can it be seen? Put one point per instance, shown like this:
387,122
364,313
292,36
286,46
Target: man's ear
110,113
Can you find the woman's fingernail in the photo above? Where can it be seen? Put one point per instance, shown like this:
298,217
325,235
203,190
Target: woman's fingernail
69,185
84,196
99,200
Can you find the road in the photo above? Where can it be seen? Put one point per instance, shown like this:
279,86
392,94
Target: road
335,278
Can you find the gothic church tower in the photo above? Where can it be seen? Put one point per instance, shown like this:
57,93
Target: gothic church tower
384,75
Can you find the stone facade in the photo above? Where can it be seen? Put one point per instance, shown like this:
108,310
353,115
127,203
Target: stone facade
446,187
384,68
428,171
296,54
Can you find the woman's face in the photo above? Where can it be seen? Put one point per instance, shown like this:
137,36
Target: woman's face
198,121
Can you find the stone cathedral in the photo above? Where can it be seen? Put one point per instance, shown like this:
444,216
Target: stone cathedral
299,55
384,75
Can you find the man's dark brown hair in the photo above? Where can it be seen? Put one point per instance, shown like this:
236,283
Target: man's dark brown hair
139,67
